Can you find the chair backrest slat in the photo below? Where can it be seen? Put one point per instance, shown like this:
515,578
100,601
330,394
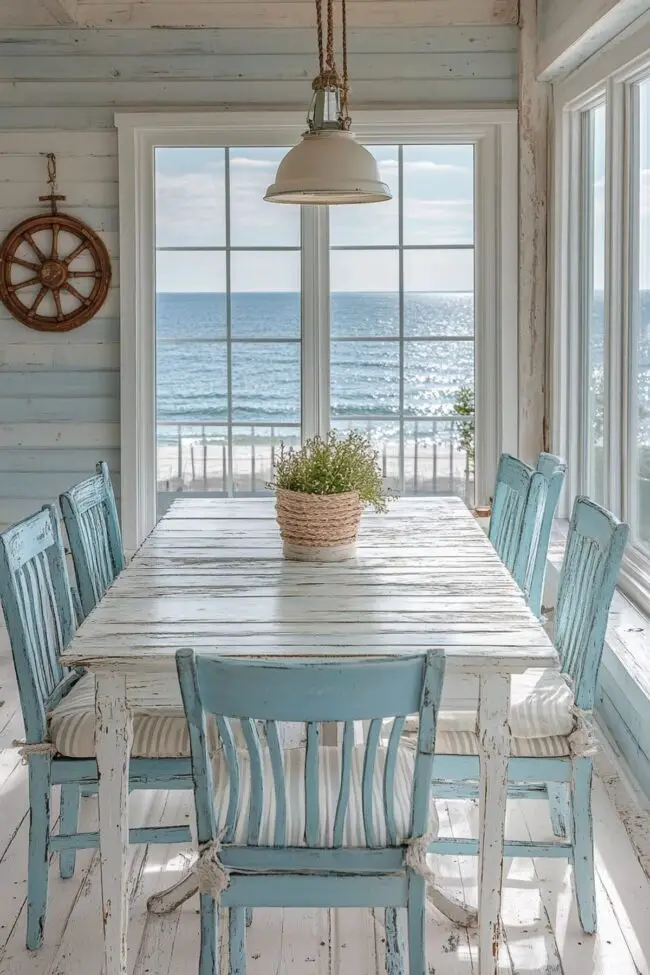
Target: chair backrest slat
201,764
516,521
343,801
553,470
367,788
256,804
389,776
93,529
313,692
595,546
277,767
429,706
230,753
37,605
311,784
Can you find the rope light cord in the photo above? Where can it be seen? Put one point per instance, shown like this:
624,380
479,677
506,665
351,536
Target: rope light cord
319,31
328,76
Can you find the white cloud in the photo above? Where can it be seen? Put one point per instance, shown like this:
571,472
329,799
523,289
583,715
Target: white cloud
246,162
429,166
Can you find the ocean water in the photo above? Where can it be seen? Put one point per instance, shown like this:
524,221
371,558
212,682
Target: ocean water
192,368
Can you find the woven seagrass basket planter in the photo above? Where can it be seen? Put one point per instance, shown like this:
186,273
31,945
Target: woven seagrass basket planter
318,527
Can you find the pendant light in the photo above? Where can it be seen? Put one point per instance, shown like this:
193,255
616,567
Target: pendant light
328,165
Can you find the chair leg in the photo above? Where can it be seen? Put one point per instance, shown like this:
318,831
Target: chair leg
416,912
208,959
582,835
70,797
237,940
558,806
40,769
394,948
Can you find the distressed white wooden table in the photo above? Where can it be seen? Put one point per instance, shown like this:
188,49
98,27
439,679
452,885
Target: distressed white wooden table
211,576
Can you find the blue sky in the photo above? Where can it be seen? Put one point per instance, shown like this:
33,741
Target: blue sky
190,196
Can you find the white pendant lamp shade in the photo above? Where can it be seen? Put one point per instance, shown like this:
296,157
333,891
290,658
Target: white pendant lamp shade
328,166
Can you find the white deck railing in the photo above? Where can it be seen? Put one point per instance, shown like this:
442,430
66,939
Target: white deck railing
198,458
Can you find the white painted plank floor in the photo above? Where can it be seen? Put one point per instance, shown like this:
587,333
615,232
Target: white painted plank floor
542,933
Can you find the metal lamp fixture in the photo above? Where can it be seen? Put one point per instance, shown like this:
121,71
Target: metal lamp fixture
328,165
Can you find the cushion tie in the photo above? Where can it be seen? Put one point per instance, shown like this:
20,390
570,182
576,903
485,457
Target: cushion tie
25,749
211,874
582,740
415,858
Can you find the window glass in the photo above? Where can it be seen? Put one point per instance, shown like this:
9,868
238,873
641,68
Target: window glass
228,320
593,307
641,324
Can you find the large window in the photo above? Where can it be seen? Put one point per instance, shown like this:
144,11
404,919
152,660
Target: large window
246,324
231,311
601,375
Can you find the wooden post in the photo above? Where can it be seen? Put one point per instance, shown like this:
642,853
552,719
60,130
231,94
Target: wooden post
533,140
494,751
113,737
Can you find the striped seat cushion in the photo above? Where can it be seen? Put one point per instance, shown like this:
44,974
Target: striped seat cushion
159,726
541,705
329,780
466,743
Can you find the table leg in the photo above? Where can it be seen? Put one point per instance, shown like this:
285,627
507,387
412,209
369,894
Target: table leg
113,736
494,748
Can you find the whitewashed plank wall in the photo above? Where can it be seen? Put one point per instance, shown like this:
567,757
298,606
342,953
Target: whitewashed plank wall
59,88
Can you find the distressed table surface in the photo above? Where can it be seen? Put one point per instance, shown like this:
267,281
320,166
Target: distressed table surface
211,576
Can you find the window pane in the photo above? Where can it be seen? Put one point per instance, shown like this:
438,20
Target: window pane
190,298
192,457
364,378
253,222
190,200
364,289
190,272
254,451
265,294
266,382
438,292
376,223
434,375
385,438
439,457
439,194
594,311
432,314
192,381
642,323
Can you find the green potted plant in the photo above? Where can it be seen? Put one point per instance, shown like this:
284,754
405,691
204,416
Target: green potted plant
321,490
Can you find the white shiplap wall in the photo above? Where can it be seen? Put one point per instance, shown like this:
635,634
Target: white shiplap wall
59,88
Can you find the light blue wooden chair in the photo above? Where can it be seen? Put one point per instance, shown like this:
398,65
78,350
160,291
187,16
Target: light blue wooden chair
313,826
516,520
93,529
58,711
553,470
552,745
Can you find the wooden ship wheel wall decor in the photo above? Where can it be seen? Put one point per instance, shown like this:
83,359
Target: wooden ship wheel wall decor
55,271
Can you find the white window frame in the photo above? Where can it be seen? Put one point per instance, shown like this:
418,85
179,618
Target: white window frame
611,74
494,133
